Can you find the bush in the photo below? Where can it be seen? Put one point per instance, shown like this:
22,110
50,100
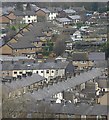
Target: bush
13,28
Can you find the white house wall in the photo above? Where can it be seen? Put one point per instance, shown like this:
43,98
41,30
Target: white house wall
30,19
52,72
18,73
52,16
59,72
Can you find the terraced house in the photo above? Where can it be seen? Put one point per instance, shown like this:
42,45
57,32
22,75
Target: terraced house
29,40
81,60
20,86
48,70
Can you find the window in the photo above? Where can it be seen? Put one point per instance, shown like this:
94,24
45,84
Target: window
43,44
83,116
52,71
20,72
28,20
41,71
37,72
29,87
83,62
47,71
15,72
75,36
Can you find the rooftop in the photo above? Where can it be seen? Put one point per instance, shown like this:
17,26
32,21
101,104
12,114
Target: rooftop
21,45
23,82
65,108
97,56
73,17
69,11
34,66
11,58
63,19
69,83
79,56
53,65
45,10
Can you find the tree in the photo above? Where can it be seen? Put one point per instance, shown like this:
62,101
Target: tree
107,50
59,47
13,28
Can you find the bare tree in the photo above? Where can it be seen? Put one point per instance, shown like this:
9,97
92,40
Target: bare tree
59,47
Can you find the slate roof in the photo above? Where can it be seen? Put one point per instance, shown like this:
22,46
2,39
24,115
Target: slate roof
69,30
19,66
73,17
31,13
21,45
53,65
63,19
79,56
37,29
52,9
78,8
24,13
96,56
2,42
69,83
11,58
19,13
103,83
68,108
36,8
18,84
45,10
69,11
33,35
7,66
5,10
80,109
35,66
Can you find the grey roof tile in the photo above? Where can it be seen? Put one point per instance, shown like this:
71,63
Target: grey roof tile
73,17
53,65
18,84
51,90
63,20
31,13
79,56
96,56
69,11
19,13
21,45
